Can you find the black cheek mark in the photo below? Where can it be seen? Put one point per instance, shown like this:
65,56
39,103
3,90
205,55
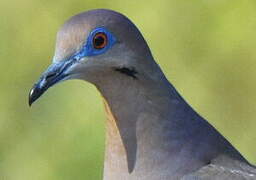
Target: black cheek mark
208,162
128,71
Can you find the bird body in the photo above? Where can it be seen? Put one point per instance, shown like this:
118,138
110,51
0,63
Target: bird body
151,131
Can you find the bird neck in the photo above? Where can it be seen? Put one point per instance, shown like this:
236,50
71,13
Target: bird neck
137,111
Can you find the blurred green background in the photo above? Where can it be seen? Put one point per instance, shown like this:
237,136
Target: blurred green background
206,48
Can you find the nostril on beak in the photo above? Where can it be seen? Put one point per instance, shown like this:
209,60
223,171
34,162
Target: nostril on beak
51,75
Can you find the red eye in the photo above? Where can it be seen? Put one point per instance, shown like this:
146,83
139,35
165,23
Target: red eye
100,40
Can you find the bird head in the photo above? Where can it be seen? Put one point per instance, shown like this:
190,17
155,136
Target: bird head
91,46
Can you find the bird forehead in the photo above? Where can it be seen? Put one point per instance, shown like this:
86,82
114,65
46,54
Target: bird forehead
70,38
74,33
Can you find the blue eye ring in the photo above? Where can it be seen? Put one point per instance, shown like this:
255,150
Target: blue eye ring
89,48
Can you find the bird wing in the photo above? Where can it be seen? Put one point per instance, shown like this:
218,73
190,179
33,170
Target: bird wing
224,168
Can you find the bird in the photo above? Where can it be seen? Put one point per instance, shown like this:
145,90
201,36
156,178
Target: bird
152,133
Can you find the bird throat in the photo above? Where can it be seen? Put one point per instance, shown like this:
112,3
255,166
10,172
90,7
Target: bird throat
120,152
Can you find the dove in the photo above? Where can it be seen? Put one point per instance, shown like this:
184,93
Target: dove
152,133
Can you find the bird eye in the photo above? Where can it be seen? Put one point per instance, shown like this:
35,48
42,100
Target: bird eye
100,40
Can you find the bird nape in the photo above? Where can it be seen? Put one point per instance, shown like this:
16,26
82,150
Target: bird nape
151,132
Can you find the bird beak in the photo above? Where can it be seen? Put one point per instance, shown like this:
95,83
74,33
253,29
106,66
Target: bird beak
55,73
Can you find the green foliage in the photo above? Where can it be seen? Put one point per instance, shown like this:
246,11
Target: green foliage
206,48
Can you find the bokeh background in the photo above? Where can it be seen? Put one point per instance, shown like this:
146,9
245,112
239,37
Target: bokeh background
207,49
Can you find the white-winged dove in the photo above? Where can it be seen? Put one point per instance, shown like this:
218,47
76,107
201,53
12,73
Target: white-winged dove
152,133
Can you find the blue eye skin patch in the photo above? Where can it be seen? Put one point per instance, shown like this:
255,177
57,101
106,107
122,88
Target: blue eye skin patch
88,48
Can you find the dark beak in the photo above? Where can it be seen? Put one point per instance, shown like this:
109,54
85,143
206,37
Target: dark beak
54,74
